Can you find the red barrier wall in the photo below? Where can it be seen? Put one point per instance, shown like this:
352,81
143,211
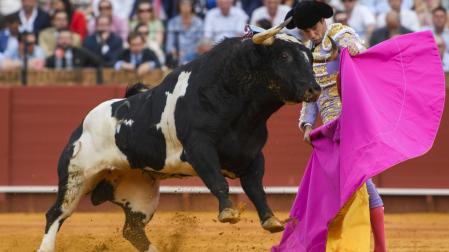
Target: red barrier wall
4,138
37,121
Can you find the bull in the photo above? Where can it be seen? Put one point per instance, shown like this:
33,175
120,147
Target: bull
206,118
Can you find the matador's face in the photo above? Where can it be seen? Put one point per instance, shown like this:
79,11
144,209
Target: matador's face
316,32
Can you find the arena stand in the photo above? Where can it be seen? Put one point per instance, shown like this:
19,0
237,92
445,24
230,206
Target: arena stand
38,119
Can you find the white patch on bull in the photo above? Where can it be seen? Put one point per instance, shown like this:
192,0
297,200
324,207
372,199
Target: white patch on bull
128,122
48,242
287,38
137,189
173,163
99,150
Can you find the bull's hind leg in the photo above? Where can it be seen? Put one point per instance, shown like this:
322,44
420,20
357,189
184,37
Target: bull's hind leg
138,194
70,190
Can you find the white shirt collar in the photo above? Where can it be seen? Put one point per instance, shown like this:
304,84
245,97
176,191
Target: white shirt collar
27,25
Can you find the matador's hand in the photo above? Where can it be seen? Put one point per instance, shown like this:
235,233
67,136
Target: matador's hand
307,130
353,49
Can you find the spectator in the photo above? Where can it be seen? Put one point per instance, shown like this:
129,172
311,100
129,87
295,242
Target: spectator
105,44
119,26
360,18
8,36
77,20
122,8
272,10
439,23
32,18
146,15
224,21
184,33
392,28
439,28
47,37
142,30
13,57
423,9
341,17
137,57
68,56
409,19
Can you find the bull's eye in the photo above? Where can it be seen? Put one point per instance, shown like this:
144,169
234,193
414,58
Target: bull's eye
285,56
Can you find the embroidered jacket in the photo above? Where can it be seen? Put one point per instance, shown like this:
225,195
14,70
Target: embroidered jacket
329,104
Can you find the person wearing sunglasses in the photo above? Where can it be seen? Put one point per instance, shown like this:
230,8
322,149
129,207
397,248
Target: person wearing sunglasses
326,41
146,15
144,32
119,25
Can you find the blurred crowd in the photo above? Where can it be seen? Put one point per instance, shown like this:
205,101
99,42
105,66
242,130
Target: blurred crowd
142,35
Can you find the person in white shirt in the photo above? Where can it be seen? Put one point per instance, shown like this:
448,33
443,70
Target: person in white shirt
360,18
272,10
224,21
441,33
409,19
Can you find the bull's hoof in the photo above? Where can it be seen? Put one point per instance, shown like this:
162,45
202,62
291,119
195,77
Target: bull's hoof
273,225
230,215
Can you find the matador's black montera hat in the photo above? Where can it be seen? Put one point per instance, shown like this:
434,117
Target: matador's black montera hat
307,13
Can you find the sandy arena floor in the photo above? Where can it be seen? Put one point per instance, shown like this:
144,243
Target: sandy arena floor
200,231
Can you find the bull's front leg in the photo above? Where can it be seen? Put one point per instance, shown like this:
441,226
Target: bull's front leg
204,159
252,185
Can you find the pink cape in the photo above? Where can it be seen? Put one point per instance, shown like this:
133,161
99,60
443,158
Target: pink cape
393,98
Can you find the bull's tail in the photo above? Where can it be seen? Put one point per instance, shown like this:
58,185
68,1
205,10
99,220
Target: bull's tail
135,89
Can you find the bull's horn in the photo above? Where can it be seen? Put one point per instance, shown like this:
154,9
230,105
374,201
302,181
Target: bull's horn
319,58
266,37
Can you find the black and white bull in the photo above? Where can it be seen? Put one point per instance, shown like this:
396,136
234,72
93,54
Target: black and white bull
207,119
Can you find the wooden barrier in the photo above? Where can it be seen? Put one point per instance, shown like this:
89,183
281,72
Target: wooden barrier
80,77
86,77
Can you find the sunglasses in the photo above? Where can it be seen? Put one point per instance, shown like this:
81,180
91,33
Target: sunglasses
104,7
344,1
146,10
